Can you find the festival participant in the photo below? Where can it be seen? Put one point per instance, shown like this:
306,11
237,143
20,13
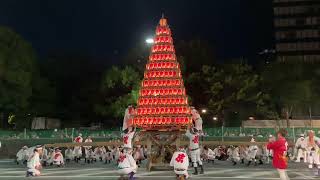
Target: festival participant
216,152
98,151
44,157
22,155
69,154
180,162
108,157
87,148
58,158
34,165
196,118
127,137
243,150
90,156
299,150
209,155
253,149
279,147
229,152
78,149
126,164
311,145
194,150
116,153
127,117
138,155
235,156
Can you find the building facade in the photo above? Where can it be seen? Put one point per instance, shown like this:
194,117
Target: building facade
297,30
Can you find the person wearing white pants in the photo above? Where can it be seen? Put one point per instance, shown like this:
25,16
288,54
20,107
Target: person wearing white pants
180,162
311,145
126,164
195,150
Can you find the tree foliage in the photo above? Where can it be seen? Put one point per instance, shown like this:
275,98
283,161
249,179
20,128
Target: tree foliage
119,88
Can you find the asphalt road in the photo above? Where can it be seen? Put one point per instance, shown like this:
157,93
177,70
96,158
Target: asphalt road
220,170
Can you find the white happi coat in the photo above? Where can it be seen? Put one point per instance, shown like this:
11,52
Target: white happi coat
180,163
127,139
252,152
44,156
194,148
210,154
312,150
235,155
116,153
87,148
22,155
99,153
77,149
69,154
126,164
58,158
127,119
299,149
34,163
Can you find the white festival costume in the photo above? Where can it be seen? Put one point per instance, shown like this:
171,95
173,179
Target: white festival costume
300,150
34,164
77,149
194,148
69,154
180,163
127,118
126,164
312,150
127,140
22,155
58,159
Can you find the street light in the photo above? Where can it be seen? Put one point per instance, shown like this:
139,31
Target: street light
149,41
204,111
215,118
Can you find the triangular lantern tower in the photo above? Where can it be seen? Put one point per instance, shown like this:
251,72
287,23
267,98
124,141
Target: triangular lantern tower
162,103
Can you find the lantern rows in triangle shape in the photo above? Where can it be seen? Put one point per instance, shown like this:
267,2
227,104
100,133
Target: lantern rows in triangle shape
159,57
163,92
147,101
162,82
162,98
163,39
163,30
162,74
163,110
140,121
162,48
162,65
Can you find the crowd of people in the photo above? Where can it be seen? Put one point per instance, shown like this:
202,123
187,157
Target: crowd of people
128,157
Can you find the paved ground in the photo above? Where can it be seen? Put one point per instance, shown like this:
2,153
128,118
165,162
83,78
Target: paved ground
220,170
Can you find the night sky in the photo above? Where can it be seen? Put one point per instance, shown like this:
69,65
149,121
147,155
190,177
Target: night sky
105,28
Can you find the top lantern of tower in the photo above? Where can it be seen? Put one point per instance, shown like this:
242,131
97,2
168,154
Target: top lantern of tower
163,21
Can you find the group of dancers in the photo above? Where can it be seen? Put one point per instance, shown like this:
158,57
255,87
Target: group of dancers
128,157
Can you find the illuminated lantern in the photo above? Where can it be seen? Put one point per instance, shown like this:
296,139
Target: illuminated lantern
162,91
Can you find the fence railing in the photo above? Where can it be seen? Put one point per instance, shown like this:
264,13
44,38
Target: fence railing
221,132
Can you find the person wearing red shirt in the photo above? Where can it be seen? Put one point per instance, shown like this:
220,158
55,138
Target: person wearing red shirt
279,147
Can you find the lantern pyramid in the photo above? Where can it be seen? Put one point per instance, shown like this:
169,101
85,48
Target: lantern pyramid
162,102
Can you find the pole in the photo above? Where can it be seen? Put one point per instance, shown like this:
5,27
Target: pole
72,134
222,139
25,133
294,134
